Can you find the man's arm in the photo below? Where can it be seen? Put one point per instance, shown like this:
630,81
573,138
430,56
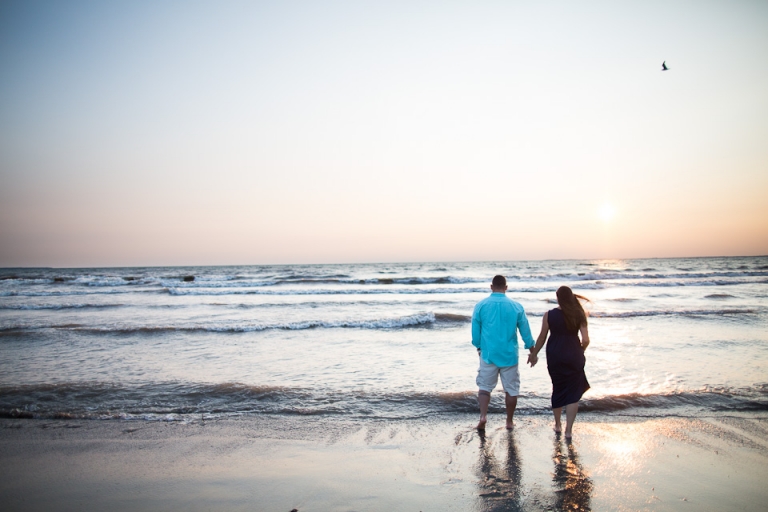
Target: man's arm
476,328
525,330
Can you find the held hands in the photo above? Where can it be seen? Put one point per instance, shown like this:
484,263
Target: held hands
532,358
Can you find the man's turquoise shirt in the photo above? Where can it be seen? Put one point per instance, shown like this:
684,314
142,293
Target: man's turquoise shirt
495,323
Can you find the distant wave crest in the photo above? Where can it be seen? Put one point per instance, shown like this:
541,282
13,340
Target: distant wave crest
415,320
59,306
682,312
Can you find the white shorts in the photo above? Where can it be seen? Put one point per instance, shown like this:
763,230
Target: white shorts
488,377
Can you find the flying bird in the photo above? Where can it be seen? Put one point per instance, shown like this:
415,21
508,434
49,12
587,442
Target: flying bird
664,66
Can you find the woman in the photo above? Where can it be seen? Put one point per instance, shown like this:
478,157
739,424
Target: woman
565,355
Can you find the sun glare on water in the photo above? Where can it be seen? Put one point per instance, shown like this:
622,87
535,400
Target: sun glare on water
606,213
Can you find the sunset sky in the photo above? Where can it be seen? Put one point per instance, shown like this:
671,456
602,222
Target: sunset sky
191,133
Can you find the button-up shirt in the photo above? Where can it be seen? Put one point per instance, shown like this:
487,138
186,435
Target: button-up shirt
495,323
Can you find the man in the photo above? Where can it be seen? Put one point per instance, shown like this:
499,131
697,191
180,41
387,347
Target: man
495,323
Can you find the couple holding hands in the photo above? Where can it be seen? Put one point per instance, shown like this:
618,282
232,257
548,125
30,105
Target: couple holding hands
495,322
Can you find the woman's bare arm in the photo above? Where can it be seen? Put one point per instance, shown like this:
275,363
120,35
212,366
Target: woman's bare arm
584,336
533,357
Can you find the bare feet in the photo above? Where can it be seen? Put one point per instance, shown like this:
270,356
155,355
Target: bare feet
481,423
568,436
557,431
510,426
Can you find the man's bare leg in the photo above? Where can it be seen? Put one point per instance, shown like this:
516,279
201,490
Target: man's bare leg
483,398
511,403
558,426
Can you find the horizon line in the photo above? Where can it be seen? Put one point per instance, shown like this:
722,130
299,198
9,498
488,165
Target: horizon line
378,262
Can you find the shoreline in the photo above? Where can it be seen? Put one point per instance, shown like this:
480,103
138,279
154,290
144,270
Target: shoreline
443,463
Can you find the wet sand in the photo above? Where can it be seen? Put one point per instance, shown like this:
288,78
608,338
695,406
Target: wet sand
309,463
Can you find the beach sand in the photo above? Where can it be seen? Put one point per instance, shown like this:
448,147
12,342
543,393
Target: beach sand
311,463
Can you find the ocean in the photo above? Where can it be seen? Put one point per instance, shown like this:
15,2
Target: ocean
679,337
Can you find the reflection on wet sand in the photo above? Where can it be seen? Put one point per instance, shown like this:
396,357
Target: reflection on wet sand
500,483
500,486
573,488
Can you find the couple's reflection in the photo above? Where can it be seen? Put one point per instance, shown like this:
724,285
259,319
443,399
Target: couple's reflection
573,488
500,486
500,483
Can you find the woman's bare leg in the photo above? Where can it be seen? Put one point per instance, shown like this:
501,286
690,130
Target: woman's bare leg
570,417
557,411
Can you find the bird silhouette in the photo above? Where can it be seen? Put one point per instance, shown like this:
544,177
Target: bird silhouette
664,66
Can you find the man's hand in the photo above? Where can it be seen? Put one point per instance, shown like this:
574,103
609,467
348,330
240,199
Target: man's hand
533,359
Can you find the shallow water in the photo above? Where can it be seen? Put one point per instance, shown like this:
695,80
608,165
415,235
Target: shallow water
669,336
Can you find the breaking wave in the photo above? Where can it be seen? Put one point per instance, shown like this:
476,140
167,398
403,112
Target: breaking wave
181,402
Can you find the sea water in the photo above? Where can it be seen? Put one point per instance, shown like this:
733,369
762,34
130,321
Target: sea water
668,336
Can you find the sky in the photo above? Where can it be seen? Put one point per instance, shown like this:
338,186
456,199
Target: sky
212,133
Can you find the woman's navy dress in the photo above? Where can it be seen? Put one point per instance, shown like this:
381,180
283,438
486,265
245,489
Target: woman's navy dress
565,362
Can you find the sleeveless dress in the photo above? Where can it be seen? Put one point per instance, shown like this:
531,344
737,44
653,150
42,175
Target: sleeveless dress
565,362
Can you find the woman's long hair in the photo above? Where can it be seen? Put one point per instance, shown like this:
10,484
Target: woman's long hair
574,314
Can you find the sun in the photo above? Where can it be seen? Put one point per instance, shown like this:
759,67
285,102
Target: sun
607,212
